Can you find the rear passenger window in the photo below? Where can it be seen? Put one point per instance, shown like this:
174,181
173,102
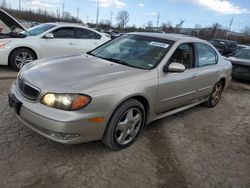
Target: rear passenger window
206,55
86,34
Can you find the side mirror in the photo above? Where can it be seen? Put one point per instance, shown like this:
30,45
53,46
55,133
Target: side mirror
49,36
175,67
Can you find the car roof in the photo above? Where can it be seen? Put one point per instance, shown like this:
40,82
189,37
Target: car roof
168,36
64,24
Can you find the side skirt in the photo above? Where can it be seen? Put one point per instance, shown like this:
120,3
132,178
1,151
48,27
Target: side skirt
177,110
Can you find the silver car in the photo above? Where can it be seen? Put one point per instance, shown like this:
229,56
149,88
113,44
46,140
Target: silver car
110,93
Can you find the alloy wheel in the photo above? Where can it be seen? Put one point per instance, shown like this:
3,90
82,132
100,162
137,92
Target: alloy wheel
215,97
23,58
128,126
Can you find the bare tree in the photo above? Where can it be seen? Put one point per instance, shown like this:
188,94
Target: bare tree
197,26
167,27
246,30
149,25
179,26
215,28
122,18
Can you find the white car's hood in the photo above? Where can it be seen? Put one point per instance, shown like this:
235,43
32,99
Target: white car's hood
9,21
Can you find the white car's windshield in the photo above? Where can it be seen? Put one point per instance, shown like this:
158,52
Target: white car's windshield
37,30
135,51
243,54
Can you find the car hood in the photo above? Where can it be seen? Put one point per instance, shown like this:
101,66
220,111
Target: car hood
77,73
9,21
239,61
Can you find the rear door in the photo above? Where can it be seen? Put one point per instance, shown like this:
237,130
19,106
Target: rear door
87,40
208,70
63,43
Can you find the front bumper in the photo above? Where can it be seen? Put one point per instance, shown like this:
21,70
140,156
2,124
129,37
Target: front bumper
4,55
57,126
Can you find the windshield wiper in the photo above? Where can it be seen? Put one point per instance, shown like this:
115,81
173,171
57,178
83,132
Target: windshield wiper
116,60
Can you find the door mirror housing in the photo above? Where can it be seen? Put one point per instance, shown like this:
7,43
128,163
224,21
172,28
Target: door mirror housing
49,36
175,67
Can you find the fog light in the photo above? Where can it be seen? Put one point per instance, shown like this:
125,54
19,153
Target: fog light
64,136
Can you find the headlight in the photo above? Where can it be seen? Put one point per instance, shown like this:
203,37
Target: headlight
4,43
66,101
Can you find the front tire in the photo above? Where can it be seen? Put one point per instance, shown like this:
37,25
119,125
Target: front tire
20,57
215,95
125,125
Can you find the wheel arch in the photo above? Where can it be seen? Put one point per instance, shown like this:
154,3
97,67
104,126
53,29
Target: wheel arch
223,79
139,97
19,47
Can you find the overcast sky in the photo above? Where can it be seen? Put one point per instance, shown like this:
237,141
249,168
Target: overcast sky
203,12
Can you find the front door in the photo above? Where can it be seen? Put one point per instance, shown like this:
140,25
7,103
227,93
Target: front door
63,43
178,89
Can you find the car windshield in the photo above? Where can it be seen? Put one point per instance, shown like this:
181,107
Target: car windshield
37,30
243,54
134,50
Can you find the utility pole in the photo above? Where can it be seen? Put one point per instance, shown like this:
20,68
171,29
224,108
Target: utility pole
97,13
158,19
231,22
229,28
111,18
77,10
87,19
20,5
63,5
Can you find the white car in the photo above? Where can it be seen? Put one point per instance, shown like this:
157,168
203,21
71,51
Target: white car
43,41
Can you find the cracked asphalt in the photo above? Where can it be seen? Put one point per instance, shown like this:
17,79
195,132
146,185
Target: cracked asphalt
200,147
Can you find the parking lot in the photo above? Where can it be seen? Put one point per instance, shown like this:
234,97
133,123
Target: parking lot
200,147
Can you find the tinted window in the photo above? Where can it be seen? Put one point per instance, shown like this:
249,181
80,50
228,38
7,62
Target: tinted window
65,32
86,34
184,55
206,55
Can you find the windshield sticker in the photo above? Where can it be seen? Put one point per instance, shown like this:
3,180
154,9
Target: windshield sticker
150,65
159,44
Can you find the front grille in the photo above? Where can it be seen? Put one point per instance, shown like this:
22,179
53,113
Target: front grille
27,89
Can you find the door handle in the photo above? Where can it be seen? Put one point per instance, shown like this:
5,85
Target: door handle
71,43
194,75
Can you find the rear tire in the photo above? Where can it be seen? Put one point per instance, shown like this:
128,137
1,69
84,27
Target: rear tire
125,125
20,57
215,95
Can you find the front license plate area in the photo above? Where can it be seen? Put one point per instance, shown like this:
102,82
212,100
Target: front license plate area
14,103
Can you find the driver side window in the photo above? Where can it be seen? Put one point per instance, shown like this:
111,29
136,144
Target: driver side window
184,54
